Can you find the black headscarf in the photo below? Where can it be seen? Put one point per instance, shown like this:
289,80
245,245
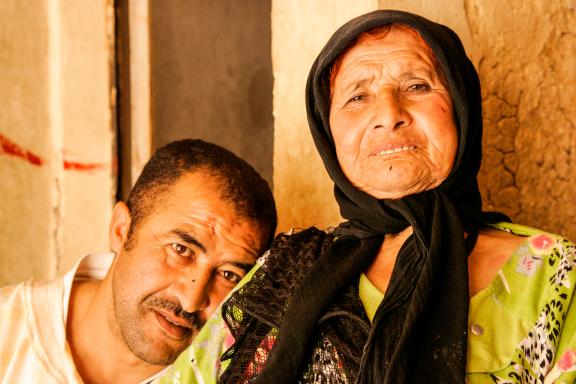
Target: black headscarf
420,328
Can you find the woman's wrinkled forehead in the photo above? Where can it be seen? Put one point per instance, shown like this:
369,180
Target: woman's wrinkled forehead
378,33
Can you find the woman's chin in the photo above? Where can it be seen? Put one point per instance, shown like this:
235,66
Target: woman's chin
394,191
389,195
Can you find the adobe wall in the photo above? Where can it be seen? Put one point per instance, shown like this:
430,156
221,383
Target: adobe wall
524,53
56,120
526,61
55,135
302,189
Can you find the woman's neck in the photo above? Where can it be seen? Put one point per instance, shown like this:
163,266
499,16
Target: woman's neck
491,251
380,271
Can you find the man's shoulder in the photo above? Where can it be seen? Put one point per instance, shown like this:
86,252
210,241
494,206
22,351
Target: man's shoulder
33,332
17,340
17,302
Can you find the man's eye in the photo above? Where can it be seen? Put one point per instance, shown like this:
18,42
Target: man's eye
182,250
419,87
231,276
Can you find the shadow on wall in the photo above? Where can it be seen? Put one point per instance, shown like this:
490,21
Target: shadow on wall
211,75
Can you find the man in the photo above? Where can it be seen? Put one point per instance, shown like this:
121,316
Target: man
194,224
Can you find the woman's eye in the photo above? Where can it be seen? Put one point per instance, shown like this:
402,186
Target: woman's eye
357,98
231,276
419,87
182,250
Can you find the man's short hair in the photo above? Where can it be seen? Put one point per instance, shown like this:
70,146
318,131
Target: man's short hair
241,186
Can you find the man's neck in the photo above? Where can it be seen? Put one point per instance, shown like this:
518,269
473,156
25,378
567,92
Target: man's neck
99,353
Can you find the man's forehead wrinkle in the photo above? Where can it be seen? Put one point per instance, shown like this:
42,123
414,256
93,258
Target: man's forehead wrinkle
231,231
213,226
250,240
197,205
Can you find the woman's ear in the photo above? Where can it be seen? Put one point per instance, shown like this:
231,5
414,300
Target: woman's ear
119,226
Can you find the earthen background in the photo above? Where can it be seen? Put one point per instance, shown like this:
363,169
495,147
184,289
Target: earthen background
528,72
58,100
525,55
56,134
213,80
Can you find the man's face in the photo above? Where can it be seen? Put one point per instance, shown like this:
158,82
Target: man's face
185,257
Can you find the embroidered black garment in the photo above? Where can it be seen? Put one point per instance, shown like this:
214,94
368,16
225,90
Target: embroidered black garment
419,333
256,311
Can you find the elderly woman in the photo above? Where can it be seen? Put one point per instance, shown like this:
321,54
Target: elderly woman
419,284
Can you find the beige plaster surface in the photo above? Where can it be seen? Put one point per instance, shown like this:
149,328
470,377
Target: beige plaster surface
87,38
140,103
524,52
57,185
302,189
24,187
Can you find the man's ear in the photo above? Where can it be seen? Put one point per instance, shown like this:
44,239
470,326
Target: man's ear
119,226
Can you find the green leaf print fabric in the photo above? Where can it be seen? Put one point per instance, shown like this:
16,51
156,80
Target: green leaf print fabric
522,327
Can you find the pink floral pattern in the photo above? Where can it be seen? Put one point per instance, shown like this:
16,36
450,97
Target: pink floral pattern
541,244
567,363
528,264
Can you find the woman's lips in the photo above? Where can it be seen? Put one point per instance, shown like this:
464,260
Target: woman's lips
176,328
390,150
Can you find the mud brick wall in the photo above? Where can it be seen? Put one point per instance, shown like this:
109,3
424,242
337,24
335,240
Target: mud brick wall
525,53
527,66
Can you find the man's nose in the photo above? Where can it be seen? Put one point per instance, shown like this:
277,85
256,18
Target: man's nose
389,110
192,289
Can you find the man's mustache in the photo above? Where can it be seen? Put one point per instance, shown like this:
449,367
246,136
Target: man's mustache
191,318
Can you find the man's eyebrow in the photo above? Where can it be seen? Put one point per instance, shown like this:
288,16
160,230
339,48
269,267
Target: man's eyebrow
187,238
245,266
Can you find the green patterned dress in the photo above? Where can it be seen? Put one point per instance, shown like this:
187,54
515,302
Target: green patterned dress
522,327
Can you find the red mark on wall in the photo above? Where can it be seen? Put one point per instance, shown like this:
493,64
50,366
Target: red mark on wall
11,148
76,166
70,165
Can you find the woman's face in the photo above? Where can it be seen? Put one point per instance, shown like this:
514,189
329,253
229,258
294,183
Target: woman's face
391,117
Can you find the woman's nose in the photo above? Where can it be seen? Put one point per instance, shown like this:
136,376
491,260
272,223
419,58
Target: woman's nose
389,111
